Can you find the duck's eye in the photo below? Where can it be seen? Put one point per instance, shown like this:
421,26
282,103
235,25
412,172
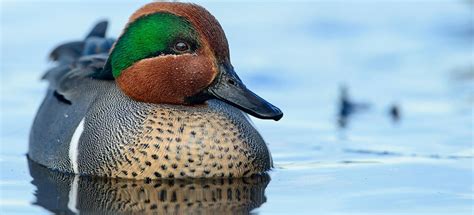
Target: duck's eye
181,47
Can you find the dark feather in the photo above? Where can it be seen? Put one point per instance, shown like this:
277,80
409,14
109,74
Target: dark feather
67,53
99,30
78,62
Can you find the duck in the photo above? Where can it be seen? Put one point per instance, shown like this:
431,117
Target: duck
161,101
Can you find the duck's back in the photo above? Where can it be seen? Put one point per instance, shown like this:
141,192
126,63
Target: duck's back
67,100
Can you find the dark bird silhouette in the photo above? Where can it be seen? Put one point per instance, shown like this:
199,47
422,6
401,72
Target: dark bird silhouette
394,112
347,107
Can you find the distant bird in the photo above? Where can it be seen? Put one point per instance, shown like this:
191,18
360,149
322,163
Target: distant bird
347,107
394,112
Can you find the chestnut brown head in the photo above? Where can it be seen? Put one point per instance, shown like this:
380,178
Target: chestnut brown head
177,53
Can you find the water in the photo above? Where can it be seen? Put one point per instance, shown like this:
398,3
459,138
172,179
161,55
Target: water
296,55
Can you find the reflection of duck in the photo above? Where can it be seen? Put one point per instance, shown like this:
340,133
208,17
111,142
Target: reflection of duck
165,103
347,107
64,193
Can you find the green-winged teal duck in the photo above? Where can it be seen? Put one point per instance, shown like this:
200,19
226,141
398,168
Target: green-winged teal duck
162,101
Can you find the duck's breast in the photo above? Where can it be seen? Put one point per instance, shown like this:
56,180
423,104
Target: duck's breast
129,139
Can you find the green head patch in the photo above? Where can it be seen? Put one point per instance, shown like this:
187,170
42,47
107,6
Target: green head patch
150,36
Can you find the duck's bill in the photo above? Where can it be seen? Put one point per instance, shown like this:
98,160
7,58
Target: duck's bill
229,88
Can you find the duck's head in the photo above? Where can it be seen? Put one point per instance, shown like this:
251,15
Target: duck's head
177,53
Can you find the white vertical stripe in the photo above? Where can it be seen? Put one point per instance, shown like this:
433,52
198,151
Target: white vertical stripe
73,147
72,202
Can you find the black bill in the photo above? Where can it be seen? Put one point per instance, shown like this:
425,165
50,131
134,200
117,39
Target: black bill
229,88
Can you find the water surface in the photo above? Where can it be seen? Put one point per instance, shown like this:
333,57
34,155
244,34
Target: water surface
296,55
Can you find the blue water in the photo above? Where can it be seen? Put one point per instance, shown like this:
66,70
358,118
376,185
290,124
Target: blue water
296,55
